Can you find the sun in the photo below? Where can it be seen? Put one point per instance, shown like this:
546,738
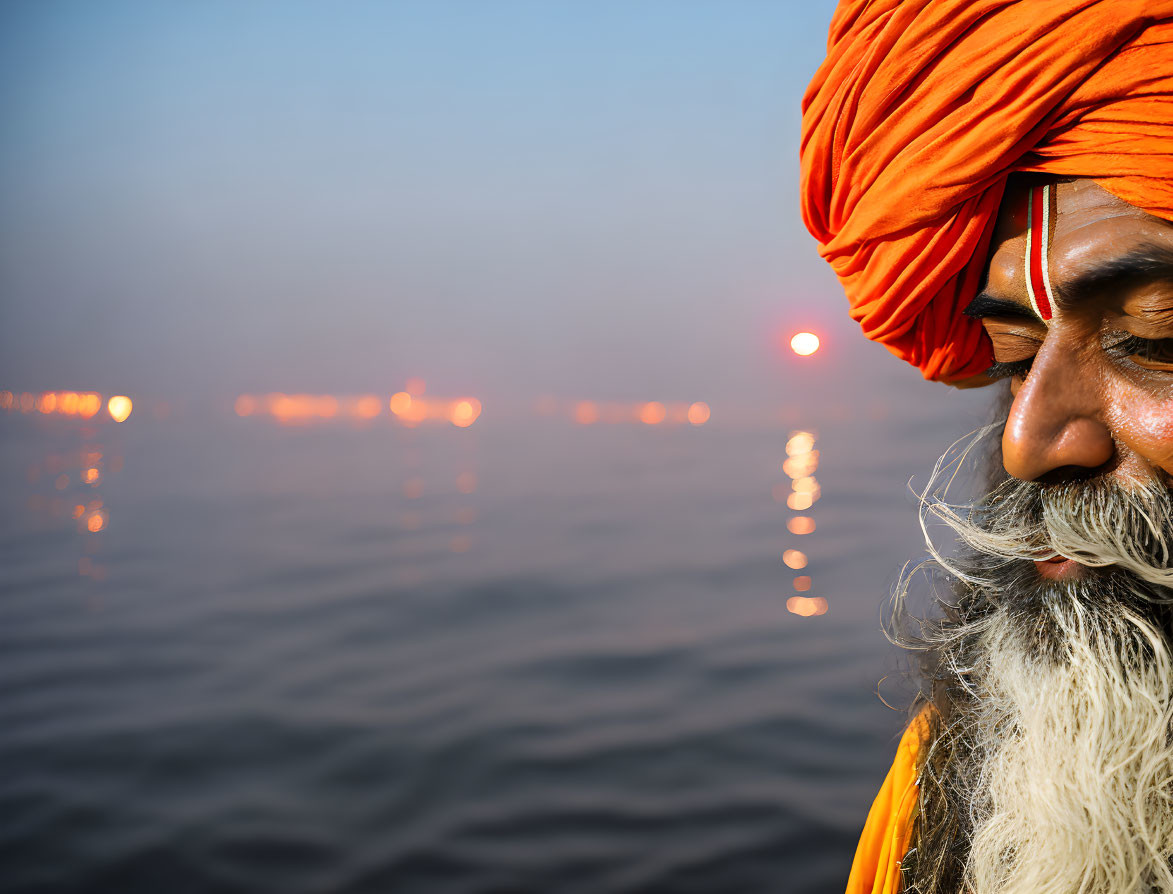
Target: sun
804,343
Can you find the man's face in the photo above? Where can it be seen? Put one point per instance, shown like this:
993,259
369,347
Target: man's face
1055,686
1093,386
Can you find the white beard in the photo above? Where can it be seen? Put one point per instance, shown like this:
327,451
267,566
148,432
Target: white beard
1058,752
1073,789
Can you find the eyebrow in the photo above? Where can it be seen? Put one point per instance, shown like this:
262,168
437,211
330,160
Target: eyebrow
1148,261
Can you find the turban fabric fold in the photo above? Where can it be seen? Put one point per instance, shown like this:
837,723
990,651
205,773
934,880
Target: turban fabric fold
921,110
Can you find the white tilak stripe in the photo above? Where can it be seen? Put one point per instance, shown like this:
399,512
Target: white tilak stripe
1046,260
1030,229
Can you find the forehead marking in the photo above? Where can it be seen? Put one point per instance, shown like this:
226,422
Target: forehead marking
1038,250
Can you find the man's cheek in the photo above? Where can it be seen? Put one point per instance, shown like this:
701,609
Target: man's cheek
1145,425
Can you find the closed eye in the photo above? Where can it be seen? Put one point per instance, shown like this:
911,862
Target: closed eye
1147,353
1016,370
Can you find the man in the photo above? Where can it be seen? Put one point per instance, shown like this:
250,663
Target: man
993,183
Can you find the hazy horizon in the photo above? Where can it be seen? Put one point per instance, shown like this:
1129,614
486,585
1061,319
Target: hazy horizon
594,200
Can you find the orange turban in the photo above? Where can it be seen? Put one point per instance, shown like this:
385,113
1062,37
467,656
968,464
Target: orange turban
921,110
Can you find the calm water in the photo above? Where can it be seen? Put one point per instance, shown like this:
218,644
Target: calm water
527,656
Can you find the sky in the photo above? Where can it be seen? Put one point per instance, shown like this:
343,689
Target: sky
587,199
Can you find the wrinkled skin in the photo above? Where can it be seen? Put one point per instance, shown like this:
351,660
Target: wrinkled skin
1088,405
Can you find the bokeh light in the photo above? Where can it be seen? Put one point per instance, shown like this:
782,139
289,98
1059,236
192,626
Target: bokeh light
801,464
806,485
698,413
119,407
465,412
800,442
88,404
367,406
586,412
800,502
800,525
400,403
794,559
807,606
652,413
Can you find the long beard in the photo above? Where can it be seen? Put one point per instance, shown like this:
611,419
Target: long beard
1050,762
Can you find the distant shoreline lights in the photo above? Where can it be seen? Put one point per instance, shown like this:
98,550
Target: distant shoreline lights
85,404
409,410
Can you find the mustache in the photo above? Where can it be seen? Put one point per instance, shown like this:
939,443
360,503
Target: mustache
1100,522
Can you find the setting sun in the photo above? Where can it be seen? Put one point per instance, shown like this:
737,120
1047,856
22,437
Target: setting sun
804,343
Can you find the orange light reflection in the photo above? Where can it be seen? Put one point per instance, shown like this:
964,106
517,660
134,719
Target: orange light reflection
88,404
367,406
119,407
652,413
586,412
800,525
698,413
794,559
807,606
465,412
800,442
400,403
800,502
801,465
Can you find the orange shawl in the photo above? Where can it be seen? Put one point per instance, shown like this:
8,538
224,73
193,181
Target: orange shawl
885,838
921,110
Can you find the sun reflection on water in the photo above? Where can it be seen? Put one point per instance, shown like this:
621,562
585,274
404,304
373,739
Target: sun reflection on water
403,411
804,491
73,476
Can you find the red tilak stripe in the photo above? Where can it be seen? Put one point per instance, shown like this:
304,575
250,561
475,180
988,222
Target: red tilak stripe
1037,259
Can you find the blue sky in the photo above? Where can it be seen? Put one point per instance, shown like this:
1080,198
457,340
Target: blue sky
593,199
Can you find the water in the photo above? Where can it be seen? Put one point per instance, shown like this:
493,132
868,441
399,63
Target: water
528,656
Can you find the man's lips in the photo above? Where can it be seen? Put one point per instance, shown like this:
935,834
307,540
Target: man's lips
1060,568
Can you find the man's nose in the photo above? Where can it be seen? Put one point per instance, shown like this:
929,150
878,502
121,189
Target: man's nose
1055,422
